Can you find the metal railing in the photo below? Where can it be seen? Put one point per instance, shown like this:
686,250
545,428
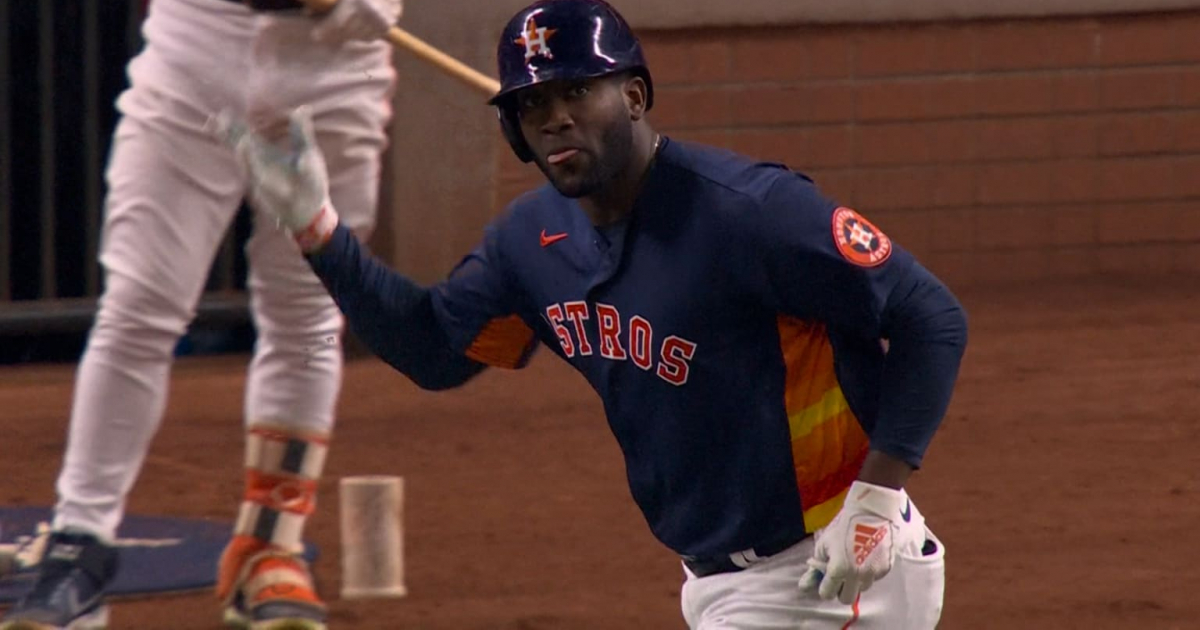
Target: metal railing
62,65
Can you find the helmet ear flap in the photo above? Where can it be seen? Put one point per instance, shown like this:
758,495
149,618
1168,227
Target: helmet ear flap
510,124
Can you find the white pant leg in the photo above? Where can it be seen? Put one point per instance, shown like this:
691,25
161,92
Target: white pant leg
913,602
767,596
172,194
296,372
295,375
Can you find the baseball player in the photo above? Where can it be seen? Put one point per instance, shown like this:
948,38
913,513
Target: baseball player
173,191
731,317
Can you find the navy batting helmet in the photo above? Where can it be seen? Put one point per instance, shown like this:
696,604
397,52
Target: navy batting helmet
562,39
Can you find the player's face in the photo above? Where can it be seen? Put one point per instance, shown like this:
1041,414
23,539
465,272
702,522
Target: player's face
580,132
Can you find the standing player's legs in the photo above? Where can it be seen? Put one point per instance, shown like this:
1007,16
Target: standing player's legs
294,380
295,375
165,218
767,595
172,193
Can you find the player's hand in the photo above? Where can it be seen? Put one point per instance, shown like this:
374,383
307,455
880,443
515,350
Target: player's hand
859,545
286,174
364,20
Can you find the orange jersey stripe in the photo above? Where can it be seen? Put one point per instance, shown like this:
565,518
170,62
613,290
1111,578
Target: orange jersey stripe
828,443
809,360
821,514
816,490
828,446
504,342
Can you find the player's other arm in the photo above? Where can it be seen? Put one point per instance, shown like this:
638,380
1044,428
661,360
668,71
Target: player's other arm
926,329
828,263
440,336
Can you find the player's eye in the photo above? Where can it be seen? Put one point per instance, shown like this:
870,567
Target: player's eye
579,90
530,101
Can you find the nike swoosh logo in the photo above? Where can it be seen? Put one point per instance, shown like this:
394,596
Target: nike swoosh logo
550,239
77,606
906,513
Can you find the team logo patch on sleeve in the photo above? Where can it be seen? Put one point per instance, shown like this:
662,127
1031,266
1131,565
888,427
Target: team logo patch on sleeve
858,240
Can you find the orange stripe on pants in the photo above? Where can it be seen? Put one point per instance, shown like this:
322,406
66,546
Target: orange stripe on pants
854,611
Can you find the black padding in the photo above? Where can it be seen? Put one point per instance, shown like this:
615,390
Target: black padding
85,551
510,124
264,526
293,456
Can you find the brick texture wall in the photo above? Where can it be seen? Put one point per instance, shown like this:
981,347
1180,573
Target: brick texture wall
997,151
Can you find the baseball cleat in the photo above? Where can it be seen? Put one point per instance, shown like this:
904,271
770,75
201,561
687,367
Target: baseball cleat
68,593
286,618
276,593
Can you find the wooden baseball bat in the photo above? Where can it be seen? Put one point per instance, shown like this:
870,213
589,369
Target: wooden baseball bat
451,66
415,45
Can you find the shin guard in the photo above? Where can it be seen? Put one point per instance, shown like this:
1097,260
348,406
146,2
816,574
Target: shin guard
261,566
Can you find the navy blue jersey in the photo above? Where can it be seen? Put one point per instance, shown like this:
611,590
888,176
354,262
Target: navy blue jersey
732,326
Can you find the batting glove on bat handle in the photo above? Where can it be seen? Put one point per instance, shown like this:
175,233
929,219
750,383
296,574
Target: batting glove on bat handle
859,545
286,176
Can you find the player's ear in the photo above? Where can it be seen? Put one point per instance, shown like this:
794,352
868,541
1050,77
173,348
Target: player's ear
635,91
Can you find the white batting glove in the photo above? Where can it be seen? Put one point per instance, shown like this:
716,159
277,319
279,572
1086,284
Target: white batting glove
365,20
859,545
286,177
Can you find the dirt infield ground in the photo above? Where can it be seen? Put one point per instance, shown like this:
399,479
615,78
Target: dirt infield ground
1065,483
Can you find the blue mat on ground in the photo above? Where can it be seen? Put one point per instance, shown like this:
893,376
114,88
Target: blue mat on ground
158,554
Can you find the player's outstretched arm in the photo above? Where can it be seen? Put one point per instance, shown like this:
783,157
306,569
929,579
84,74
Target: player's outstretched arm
392,314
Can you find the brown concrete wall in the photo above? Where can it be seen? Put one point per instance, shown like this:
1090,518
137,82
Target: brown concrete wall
657,14
442,161
998,150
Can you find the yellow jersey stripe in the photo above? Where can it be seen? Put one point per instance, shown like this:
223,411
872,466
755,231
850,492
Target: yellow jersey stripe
830,405
819,516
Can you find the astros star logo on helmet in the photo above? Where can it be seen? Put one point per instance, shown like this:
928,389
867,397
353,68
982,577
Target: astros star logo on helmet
535,40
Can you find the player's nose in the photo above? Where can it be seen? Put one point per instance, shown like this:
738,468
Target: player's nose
558,116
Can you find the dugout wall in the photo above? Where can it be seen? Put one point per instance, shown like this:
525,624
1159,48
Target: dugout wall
1003,142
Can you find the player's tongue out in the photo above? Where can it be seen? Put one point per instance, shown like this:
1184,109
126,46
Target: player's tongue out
561,156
